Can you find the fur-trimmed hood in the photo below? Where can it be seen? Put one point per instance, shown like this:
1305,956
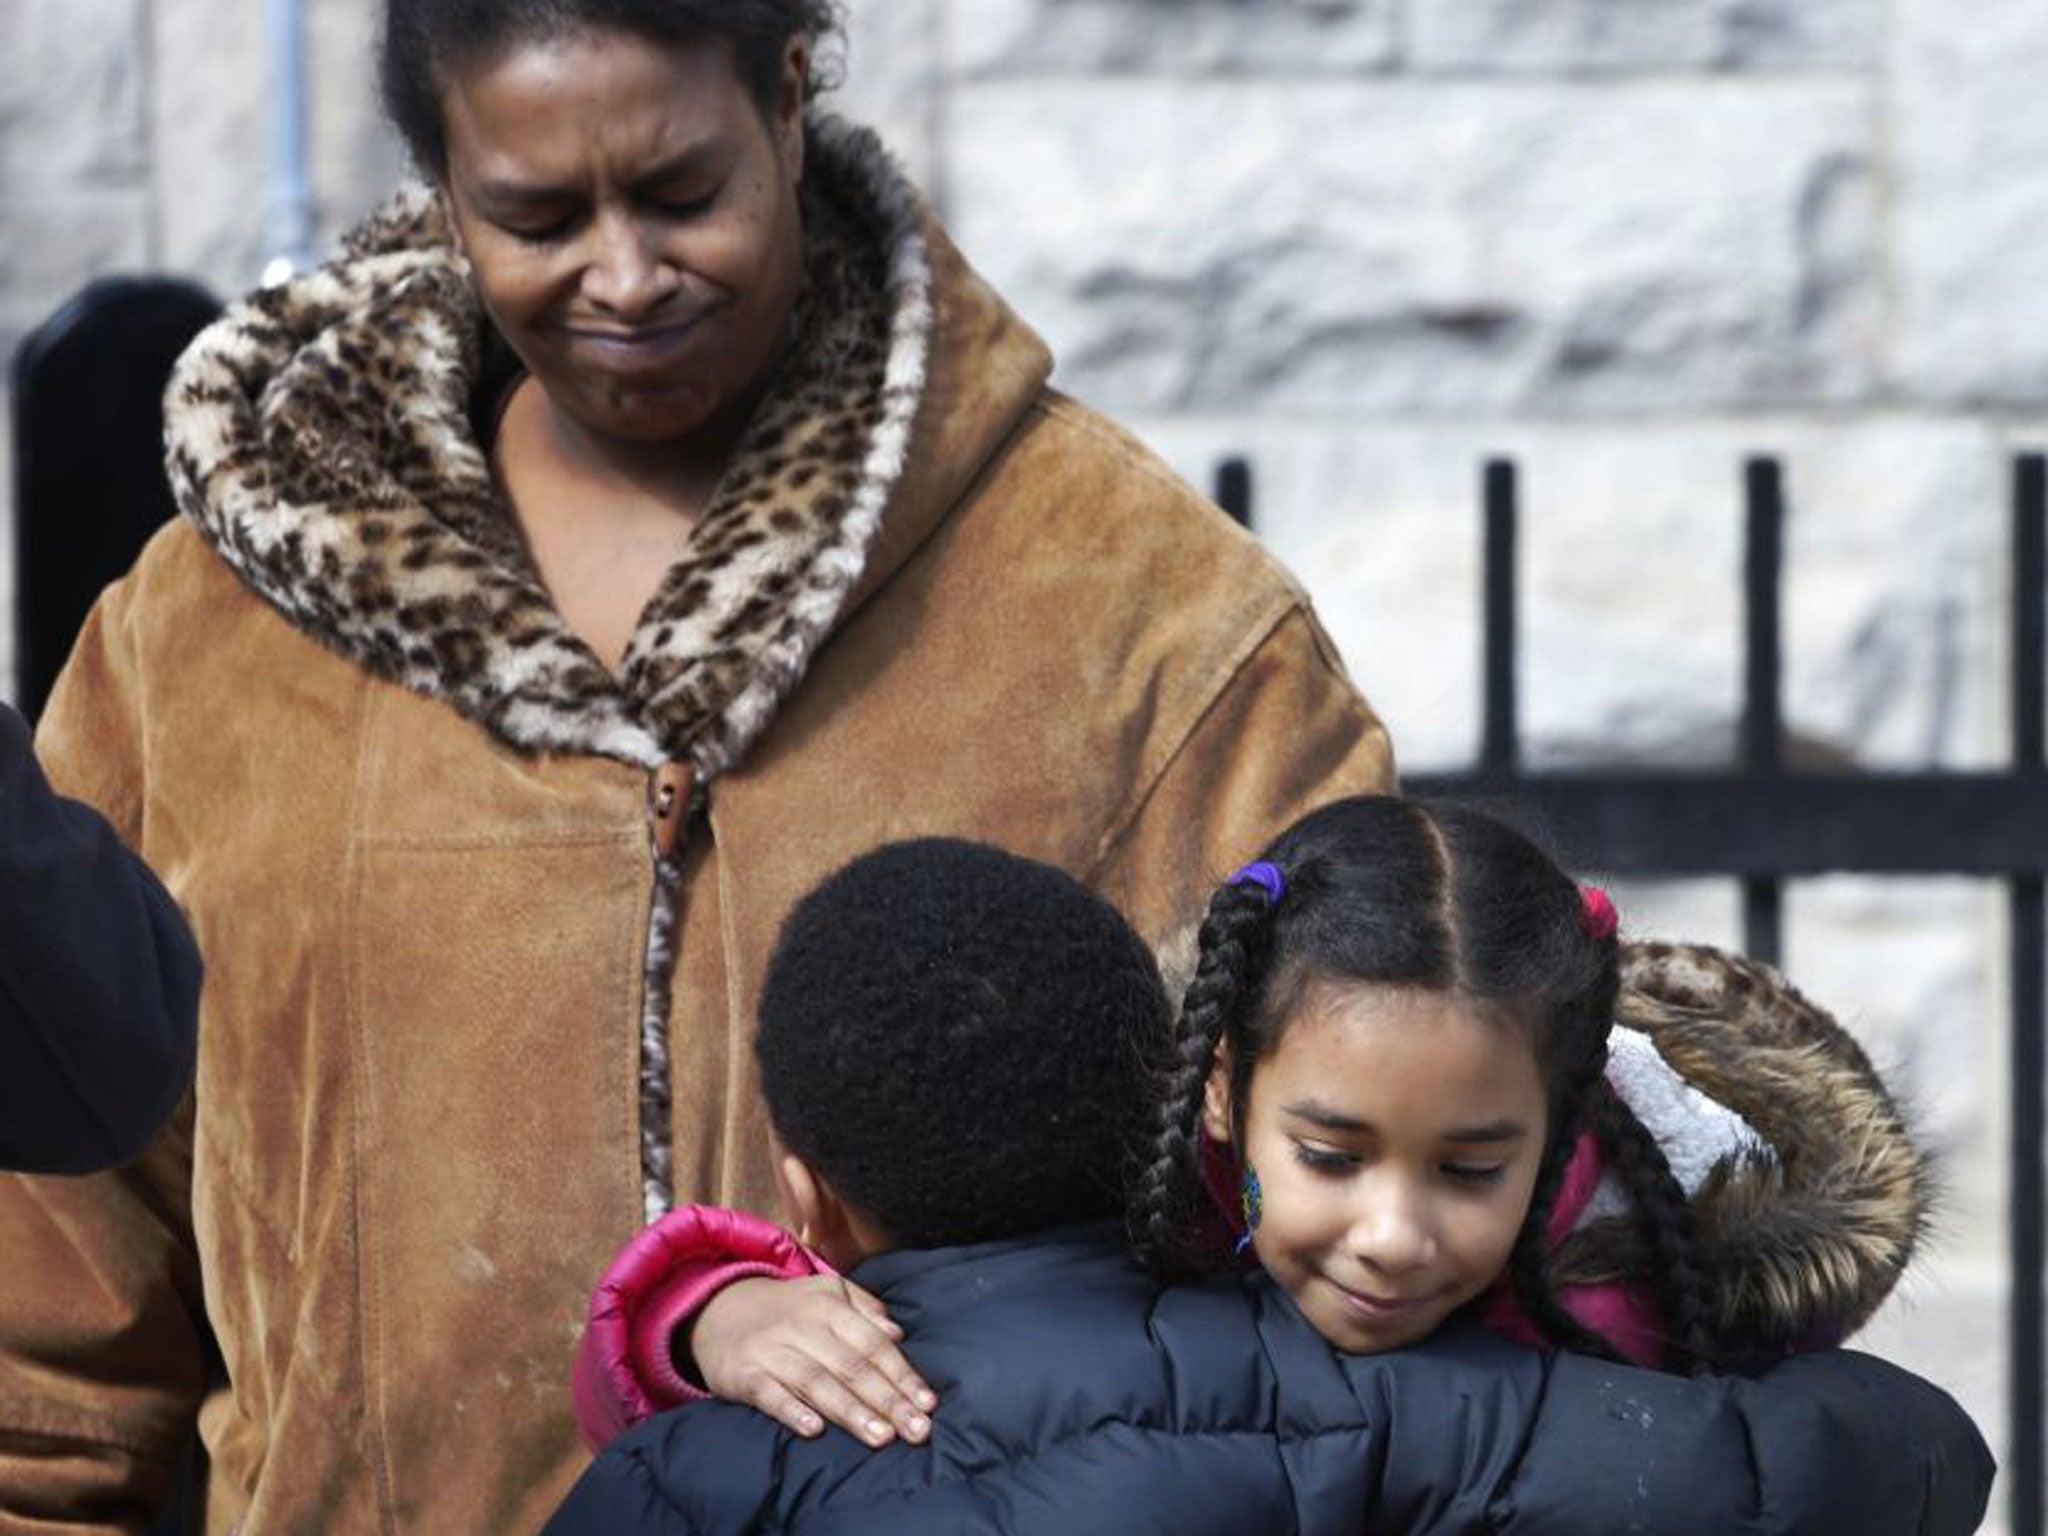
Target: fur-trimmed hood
320,436
1804,1233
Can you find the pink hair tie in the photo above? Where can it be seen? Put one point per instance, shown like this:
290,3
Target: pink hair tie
1597,917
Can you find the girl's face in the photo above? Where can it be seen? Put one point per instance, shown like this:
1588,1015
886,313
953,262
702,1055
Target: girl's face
1396,1132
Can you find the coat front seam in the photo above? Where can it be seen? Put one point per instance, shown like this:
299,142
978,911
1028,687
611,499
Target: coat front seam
656,1071
739,1039
369,1289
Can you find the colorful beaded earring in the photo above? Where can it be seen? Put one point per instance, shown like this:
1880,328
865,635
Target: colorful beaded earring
1253,1205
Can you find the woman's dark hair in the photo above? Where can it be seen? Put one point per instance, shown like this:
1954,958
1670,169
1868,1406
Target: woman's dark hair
1394,892
426,40
956,1039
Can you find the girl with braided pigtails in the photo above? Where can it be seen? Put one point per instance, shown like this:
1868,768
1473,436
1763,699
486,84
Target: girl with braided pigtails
1399,1081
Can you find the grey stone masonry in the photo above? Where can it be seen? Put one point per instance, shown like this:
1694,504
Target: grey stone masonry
1969,136
74,150
1065,37
1367,244
1549,36
74,83
1396,247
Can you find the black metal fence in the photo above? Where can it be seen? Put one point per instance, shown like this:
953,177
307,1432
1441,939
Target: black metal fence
1763,824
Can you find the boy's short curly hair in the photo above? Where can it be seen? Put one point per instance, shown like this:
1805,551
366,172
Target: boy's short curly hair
953,1037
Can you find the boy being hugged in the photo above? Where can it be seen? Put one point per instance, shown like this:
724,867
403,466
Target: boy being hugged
953,1044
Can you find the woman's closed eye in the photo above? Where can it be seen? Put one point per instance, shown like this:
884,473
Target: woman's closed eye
538,234
537,221
689,207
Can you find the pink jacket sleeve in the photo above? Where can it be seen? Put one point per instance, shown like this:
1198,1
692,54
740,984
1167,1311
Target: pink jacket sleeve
625,1366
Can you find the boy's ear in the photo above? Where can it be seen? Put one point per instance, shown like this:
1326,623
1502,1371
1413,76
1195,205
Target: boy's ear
1216,1097
818,1218
801,1192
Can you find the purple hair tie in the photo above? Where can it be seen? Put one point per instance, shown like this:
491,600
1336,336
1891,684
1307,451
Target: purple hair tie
1266,877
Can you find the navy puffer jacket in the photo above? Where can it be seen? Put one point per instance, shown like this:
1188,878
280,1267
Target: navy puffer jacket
1078,1398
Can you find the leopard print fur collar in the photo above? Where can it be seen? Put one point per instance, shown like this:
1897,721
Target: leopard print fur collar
320,437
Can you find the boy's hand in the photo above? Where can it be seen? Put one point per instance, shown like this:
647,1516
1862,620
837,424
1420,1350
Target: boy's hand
805,1352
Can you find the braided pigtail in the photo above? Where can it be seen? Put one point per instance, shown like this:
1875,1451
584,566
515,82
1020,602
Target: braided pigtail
1663,1218
1529,1265
1166,1190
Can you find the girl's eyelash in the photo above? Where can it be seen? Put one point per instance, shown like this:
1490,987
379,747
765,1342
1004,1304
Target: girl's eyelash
1317,1160
1465,1173
1326,1160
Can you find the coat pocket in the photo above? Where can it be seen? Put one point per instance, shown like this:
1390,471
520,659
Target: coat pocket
496,923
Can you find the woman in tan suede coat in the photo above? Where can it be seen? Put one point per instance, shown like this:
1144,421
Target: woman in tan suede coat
596,555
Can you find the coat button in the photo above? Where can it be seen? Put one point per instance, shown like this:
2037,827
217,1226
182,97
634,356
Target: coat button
668,807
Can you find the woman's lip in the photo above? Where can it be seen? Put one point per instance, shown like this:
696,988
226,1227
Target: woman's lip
633,337
635,348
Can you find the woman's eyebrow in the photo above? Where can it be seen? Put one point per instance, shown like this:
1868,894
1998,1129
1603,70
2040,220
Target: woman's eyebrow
508,195
503,193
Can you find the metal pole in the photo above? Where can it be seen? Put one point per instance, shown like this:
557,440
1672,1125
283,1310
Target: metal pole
2030,632
1762,712
1500,745
289,233
1234,489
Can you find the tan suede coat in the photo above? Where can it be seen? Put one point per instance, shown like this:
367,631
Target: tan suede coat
411,830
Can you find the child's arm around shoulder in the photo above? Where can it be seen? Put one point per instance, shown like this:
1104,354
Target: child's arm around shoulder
764,1321
626,1365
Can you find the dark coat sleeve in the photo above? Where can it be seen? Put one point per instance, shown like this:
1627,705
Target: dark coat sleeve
634,1487
1826,1442
99,981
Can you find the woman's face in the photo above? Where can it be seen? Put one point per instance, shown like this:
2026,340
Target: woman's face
631,216
1397,1133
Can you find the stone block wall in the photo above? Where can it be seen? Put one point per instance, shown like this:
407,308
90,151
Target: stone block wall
1367,243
